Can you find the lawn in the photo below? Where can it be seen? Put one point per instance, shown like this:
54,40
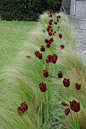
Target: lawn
21,76
12,36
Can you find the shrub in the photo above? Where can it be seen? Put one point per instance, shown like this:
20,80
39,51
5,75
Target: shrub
27,10
49,4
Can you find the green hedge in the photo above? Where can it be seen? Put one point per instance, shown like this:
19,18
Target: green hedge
27,10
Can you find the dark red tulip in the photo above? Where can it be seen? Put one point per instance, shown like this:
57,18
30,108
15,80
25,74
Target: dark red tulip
78,86
48,29
47,61
20,111
36,53
62,46
53,7
28,57
55,22
50,23
44,31
49,26
58,26
75,106
67,111
50,33
42,87
50,15
42,48
64,104
53,59
51,30
60,74
40,55
45,73
48,45
57,11
25,106
51,39
46,40
58,16
66,82
47,13
54,55
51,11
49,57
60,35
51,20
54,31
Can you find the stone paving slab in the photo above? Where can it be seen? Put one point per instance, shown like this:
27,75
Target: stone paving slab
79,26
80,9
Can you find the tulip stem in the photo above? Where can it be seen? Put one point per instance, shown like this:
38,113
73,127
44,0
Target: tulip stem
77,122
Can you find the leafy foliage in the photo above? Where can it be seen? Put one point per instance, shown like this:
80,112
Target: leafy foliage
27,10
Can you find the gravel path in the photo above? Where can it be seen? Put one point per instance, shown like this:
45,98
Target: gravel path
79,26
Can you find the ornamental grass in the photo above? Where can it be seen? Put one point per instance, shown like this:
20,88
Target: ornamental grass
43,80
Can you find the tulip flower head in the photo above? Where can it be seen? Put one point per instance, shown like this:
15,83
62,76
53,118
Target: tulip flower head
75,106
60,36
66,82
47,61
48,29
67,111
49,57
36,53
44,31
50,23
50,15
28,57
64,104
20,111
42,87
42,48
51,30
53,59
57,20
45,73
58,16
51,39
49,26
40,55
60,74
78,86
25,106
58,26
51,20
50,33
48,45
46,40
55,23
62,46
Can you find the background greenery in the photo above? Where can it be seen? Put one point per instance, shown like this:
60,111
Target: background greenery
27,10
